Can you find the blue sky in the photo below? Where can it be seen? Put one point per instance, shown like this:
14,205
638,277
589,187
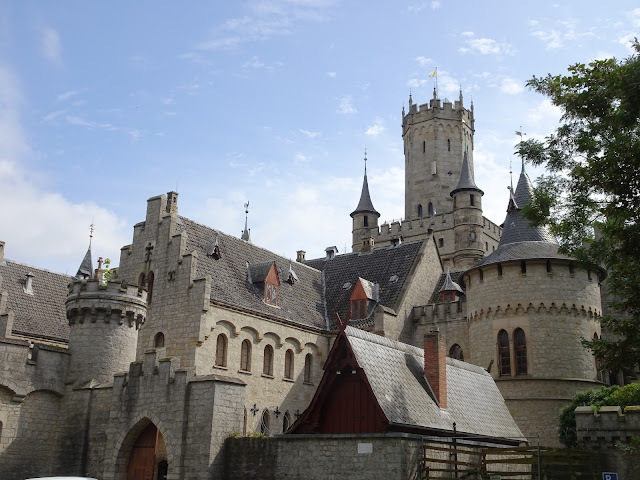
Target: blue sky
103,105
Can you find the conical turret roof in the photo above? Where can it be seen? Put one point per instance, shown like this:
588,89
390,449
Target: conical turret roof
365,205
466,178
86,267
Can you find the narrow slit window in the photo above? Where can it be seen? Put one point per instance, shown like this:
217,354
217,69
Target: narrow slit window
221,350
267,366
288,365
245,356
520,350
472,200
499,270
424,147
448,145
523,266
308,361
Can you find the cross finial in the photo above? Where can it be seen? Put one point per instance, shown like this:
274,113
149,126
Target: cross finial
91,230
365,160
521,134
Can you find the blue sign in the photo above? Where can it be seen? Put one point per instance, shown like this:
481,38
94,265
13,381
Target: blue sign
609,476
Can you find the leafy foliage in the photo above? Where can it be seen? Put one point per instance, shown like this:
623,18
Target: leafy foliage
615,395
590,198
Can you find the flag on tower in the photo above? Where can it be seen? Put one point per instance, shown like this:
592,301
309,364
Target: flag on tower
432,74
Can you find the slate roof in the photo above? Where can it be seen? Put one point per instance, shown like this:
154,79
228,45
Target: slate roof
466,181
520,240
389,267
395,372
365,205
436,296
86,267
301,303
41,315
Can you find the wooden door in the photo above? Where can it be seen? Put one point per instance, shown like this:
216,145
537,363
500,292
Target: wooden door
143,455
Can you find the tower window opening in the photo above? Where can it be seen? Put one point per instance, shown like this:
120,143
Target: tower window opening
523,267
150,287
504,356
520,350
307,368
548,266
571,268
366,220
499,270
486,246
481,275
432,211
424,147
158,340
472,200
448,145
221,351
441,242
589,275
419,210
141,280
456,352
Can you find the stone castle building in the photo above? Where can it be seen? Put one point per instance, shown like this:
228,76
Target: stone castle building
199,334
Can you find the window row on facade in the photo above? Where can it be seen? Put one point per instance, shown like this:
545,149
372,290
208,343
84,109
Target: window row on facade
505,353
267,359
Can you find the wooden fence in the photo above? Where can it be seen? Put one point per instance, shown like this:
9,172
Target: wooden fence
514,463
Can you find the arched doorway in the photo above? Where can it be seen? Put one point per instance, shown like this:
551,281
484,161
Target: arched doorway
148,457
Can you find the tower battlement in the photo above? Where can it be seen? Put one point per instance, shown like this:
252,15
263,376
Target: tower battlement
437,109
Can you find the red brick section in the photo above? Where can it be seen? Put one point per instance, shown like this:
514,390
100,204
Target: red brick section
435,366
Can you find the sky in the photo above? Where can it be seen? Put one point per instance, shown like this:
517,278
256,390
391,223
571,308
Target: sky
106,104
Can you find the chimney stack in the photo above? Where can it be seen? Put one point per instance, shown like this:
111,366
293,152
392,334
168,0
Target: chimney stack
28,283
330,252
301,256
435,365
172,202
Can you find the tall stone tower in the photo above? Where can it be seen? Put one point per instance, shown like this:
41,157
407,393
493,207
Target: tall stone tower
434,137
104,321
365,218
467,220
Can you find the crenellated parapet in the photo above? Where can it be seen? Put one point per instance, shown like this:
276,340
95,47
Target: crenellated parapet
90,300
601,427
437,109
439,312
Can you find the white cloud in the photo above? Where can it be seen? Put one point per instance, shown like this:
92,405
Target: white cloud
635,17
375,129
416,82
332,74
309,134
51,46
257,64
543,119
345,105
301,159
510,86
56,235
68,94
485,46
435,5
425,62
559,35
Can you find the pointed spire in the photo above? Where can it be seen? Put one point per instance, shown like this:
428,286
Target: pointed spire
524,190
85,270
460,98
246,234
365,205
466,178
449,285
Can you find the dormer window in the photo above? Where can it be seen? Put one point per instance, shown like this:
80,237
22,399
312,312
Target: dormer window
358,309
271,294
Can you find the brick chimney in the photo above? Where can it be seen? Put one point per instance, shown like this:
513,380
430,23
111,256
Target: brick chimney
435,365
302,255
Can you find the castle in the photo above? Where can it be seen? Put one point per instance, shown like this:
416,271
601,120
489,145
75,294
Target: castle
199,334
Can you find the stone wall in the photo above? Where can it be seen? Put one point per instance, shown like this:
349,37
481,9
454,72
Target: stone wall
599,430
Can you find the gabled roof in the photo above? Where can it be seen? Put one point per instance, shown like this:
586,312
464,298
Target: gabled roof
466,181
40,315
389,267
365,205
301,303
394,376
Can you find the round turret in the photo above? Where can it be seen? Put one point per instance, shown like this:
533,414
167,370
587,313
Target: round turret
104,321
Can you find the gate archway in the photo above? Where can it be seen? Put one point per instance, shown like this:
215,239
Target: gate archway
143,454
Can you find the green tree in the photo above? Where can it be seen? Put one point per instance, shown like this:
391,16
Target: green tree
593,185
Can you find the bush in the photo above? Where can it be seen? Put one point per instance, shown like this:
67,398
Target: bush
614,396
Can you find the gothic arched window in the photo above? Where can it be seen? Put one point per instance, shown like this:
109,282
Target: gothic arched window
456,352
432,210
308,360
419,210
264,423
221,350
288,364
504,356
520,351
150,287
267,366
245,356
286,422
158,340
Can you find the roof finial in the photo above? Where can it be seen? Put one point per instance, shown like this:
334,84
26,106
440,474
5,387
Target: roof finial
246,232
91,229
511,173
365,160
521,134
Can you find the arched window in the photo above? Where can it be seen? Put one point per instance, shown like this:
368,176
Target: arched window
158,340
245,356
419,210
308,361
141,280
264,423
432,211
456,352
267,366
150,287
244,422
221,350
286,421
520,351
504,357
365,222
288,364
